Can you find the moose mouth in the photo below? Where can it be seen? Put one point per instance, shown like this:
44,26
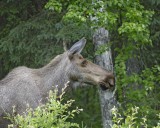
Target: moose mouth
104,86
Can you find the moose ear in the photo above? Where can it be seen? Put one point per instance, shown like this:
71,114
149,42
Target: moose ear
77,47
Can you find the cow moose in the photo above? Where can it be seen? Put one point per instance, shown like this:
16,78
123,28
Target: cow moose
24,85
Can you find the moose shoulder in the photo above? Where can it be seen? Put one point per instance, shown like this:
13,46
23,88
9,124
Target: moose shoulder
24,86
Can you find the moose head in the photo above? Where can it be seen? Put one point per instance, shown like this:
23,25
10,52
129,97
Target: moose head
84,71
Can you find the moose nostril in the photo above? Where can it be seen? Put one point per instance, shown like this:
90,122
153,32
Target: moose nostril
104,86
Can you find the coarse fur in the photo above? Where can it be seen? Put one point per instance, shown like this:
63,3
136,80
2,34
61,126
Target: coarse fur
25,86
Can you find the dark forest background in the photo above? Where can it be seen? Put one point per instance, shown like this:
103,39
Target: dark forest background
32,32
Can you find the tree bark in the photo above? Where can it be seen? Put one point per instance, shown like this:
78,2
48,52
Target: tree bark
107,97
65,45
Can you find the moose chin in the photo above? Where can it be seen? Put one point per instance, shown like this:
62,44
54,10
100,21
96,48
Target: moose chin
24,85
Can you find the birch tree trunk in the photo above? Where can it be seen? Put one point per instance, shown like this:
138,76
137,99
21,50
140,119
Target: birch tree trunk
65,45
107,97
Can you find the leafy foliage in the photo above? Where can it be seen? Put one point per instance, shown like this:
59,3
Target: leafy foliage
131,119
28,37
50,115
135,86
88,99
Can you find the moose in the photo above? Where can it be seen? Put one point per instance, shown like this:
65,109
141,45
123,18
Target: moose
24,86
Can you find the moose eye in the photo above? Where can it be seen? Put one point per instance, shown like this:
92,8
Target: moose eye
84,63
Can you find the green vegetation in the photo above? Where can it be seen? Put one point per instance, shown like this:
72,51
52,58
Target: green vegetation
33,32
53,114
131,119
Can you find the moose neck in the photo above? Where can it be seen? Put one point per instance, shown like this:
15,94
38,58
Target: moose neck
55,73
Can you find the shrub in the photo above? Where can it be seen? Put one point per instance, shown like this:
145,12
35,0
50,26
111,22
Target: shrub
53,114
130,119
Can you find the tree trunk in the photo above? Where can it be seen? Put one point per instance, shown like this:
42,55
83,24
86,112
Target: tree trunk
65,45
107,97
